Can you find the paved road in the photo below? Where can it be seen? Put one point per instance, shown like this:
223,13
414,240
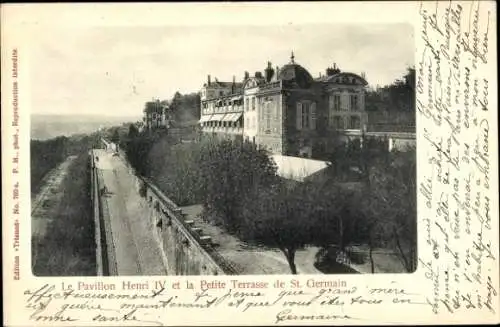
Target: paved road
136,251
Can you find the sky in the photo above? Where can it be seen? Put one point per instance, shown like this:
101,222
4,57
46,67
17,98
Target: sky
113,70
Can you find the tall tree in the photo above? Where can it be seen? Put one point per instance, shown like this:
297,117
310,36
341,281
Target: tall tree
292,217
397,96
175,168
392,205
229,171
133,132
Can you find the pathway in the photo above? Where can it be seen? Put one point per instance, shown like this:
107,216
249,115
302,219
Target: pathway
135,249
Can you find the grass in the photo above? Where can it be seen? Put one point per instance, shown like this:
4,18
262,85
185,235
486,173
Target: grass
68,247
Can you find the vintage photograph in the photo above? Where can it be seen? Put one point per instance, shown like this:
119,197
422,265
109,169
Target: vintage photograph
223,150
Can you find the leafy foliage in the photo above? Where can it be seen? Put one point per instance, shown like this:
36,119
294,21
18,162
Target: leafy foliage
137,148
186,108
391,206
48,154
383,213
67,248
175,168
240,190
351,161
292,217
398,96
229,171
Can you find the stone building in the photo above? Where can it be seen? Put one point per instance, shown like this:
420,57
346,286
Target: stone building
222,108
285,109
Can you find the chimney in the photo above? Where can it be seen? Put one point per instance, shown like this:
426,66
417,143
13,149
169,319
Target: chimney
269,72
208,80
277,72
247,75
233,86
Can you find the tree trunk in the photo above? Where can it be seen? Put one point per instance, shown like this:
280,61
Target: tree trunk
372,263
341,235
401,252
413,257
290,257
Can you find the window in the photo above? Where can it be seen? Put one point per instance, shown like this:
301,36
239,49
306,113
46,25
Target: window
338,123
247,104
267,113
306,115
336,102
221,93
354,122
253,103
354,102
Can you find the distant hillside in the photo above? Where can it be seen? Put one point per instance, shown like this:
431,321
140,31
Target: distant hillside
49,126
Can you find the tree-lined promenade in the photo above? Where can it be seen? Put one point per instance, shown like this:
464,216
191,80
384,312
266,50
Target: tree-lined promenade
238,186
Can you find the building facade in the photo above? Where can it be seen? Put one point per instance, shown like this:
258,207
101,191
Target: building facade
222,108
286,110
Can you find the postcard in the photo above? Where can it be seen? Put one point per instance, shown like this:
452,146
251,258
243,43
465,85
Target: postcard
230,164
